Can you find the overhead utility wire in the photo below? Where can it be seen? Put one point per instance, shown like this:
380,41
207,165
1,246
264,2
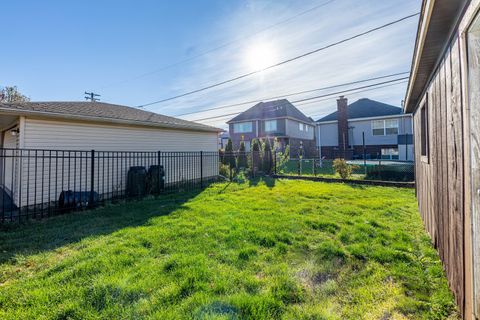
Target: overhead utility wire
291,94
331,98
226,44
282,62
313,98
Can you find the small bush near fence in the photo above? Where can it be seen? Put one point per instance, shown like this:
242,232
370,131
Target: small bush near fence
384,170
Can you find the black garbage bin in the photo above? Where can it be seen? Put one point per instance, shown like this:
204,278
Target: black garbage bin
156,179
136,181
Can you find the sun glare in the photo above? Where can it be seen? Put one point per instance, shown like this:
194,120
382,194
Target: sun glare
260,56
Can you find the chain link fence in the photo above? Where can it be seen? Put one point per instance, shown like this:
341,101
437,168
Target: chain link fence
384,170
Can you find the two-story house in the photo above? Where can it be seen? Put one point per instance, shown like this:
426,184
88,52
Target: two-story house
275,119
365,128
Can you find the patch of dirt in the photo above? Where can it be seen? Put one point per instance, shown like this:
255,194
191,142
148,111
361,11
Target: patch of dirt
314,280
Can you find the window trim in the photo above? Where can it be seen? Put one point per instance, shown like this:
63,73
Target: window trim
271,121
243,123
384,127
390,154
424,132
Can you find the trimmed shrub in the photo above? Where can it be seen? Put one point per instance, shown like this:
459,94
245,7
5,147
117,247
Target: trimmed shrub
267,157
242,156
229,157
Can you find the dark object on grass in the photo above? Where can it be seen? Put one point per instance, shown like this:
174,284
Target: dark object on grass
156,179
6,201
76,199
136,181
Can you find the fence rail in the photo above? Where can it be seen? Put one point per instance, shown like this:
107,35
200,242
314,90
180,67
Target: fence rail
36,183
259,162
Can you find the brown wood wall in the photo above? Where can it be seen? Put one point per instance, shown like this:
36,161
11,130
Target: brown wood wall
440,180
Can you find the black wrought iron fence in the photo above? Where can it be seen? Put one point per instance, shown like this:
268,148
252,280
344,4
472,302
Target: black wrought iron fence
39,183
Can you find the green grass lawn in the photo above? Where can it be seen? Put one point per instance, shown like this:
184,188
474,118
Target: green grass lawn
263,250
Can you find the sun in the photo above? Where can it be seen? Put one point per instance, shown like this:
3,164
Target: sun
260,56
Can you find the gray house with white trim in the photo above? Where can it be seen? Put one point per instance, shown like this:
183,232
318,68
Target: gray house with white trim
386,130
278,119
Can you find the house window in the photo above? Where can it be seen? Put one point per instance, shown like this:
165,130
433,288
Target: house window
378,128
301,126
306,128
385,127
391,126
390,153
424,139
242,127
270,125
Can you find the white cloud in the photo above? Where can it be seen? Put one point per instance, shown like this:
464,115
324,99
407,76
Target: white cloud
382,52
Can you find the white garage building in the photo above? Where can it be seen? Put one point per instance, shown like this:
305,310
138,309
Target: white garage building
113,131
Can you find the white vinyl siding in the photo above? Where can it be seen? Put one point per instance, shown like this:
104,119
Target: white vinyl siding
242,127
58,135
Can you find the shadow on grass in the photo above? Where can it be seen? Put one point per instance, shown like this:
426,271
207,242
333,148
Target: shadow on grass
37,236
269,181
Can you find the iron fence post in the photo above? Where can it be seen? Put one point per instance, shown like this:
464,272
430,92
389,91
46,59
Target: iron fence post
314,168
159,184
275,162
92,177
201,169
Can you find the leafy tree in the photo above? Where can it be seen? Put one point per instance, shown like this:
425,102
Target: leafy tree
267,157
282,157
11,94
229,157
242,157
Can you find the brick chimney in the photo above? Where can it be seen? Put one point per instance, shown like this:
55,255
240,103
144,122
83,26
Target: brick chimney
342,117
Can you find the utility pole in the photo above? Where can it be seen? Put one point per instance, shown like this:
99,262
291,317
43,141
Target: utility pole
91,96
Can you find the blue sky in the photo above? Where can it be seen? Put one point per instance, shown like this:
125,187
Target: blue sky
124,50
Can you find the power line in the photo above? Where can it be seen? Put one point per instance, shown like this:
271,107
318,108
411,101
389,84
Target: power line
282,62
332,98
226,44
314,98
292,94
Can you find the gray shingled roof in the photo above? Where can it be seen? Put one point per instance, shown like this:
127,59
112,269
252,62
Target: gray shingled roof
101,111
271,109
365,108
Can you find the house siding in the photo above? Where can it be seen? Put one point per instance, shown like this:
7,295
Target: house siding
440,176
58,135
71,135
293,131
327,138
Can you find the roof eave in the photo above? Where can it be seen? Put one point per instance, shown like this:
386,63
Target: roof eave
437,25
106,120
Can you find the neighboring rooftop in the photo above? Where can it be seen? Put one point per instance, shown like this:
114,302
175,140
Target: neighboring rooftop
105,112
272,109
365,108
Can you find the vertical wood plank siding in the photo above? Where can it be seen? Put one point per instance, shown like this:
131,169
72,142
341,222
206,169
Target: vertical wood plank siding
440,180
